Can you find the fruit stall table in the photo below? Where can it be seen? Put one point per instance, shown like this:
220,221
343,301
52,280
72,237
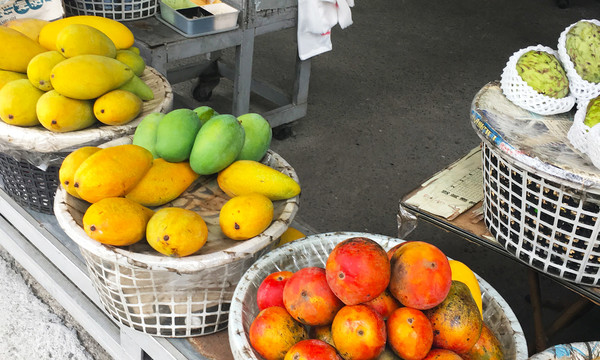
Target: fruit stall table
161,46
453,198
40,245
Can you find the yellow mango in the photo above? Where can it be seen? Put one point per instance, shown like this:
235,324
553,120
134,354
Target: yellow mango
40,68
117,107
87,77
8,76
176,232
133,60
247,176
66,172
79,39
116,221
245,216
16,50
462,273
120,35
290,235
27,26
59,113
164,182
111,172
18,99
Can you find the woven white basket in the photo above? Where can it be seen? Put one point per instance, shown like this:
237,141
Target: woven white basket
553,227
573,351
313,251
580,88
175,297
579,132
520,93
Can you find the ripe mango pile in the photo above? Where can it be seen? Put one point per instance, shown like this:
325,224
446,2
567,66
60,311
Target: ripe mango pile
127,185
410,302
68,74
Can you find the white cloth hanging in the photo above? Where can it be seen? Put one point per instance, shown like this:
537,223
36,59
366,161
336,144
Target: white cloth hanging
316,18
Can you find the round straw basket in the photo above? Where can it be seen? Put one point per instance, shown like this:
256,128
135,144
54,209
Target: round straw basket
175,297
313,251
30,157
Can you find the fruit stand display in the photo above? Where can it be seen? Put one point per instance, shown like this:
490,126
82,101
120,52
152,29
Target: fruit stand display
67,89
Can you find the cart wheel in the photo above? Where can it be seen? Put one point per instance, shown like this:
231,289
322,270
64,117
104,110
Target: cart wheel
282,132
202,93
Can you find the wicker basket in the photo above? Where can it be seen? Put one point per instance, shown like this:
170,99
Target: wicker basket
120,10
549,225
30,157
313,251
175,297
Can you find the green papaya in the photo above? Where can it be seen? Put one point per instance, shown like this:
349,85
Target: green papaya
145,133
176,134
217,144
258,137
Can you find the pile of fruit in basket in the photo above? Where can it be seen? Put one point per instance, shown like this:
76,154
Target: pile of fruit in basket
409,303
70,74
126,184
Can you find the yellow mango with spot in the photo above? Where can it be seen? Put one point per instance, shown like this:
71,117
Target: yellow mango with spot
245,216
111,172
29,27
16,50
248,176
116,221
176,232
86,77
80,39
18,100
117,107
66,172
120,34
7,76
59,113
40,68
164,182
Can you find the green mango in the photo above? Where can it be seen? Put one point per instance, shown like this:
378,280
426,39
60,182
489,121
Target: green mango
133,60
145,133
137,86
217,144
205,113
258,137
176,134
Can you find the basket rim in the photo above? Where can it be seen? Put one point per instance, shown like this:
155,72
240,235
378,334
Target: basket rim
186,264
238,341
39,139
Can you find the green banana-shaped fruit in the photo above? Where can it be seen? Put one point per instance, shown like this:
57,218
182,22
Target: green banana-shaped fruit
592,114
582,43
544,73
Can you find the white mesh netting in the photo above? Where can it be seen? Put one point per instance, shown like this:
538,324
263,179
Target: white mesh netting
580,88
520,93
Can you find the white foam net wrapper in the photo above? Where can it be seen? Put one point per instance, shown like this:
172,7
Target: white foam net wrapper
580,88
521,94
584,138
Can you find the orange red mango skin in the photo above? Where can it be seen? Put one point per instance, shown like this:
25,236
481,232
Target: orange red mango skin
308,298
358,270
420,275
488,347
311,349
273,332
359,332
442,354
384,304
410,333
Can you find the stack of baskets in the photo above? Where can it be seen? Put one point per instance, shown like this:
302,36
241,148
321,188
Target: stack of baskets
175,297
31,157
